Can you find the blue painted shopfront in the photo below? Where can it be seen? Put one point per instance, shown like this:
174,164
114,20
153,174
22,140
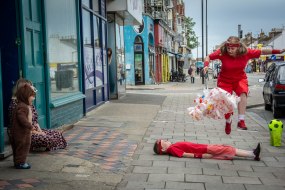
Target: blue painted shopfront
139,53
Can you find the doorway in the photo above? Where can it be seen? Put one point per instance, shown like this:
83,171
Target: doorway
139,61
32,51
9,44
22,51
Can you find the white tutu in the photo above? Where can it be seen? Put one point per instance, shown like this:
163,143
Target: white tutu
213,104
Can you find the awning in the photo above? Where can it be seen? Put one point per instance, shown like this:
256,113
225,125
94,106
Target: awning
170,54
173,53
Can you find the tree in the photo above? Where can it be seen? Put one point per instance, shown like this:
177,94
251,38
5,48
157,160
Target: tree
192,40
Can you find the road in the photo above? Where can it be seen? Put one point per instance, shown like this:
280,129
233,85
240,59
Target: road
256,99
259,110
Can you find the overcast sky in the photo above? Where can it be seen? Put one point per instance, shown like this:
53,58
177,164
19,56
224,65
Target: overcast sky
224,16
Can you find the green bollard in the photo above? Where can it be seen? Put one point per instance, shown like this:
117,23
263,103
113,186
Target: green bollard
275,128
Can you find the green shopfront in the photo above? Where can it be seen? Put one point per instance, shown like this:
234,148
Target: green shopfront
43,41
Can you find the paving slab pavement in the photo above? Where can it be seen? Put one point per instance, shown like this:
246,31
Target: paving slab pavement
111,148
150,171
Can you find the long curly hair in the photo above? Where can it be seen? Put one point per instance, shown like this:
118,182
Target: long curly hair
20,83
242,49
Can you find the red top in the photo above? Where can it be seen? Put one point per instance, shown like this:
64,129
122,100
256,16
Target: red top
233,68
177,149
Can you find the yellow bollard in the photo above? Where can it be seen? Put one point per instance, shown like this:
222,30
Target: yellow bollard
276,129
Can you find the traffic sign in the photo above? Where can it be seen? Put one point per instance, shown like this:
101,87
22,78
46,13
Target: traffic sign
273,57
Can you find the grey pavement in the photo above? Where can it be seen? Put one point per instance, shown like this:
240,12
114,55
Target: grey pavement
138,119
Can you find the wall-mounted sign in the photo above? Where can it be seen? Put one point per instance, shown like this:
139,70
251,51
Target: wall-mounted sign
139,28
128,66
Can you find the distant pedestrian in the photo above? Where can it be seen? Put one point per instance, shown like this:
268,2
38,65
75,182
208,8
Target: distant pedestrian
21,129
109,55
213,151
198,70
191,72
234,56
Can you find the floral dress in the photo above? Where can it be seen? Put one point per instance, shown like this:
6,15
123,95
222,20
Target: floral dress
50,140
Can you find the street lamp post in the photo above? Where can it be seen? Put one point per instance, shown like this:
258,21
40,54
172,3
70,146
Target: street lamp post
197,47
206,27
251,40
202,10
202,6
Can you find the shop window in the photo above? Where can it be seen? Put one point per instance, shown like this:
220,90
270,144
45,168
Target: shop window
62,47
120,54
103,8
86,3
98,53
95,4
105,66
88,50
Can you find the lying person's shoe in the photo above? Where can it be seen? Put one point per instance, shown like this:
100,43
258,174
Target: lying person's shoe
256,152
23,166
241,125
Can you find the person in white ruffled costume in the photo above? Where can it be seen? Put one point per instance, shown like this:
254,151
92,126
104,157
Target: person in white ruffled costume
234,56
213,104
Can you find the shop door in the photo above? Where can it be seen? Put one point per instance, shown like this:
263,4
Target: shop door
32,50
139,69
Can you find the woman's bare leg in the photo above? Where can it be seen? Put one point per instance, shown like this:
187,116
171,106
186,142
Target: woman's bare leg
242,104
244,153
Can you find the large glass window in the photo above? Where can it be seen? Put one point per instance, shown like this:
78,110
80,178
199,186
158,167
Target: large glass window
104,32
120,54
88,51
62,47
103,8
86,3
98,53
95,6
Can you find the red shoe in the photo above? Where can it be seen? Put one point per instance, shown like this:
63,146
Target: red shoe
228,128
241,125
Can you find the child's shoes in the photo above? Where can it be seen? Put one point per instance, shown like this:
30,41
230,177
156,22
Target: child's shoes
23,166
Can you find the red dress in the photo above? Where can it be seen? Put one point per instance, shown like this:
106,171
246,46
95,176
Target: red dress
233,68
220,152
232,76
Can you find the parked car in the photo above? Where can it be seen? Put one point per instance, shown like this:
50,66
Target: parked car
274,89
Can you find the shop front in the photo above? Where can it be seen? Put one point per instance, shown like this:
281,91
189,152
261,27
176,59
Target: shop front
140,53
94,54
41,42
122,14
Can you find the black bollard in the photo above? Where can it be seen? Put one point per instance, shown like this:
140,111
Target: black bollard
202,76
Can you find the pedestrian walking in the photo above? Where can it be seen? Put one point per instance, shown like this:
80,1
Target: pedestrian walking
191,72
195,150
198,70
234,56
